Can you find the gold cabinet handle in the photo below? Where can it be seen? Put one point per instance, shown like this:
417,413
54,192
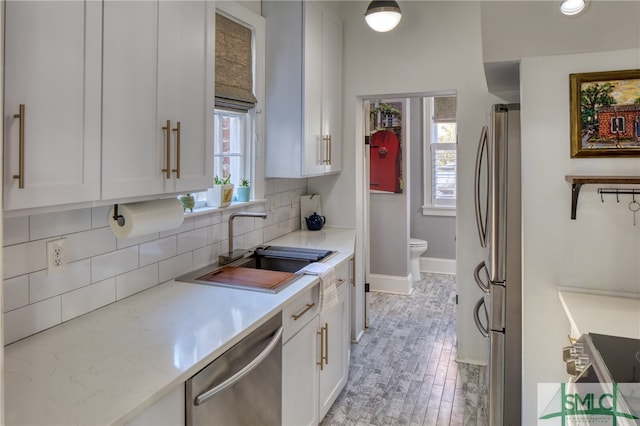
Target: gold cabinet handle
167,148
327,149
321,334
352,278
177,169
304,311
326,343
20,176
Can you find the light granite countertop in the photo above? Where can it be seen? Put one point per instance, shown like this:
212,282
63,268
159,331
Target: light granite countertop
107,366
601,314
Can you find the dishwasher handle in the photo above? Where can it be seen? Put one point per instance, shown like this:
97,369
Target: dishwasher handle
204,396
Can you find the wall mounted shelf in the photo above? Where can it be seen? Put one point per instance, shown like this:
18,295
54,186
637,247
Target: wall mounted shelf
577,182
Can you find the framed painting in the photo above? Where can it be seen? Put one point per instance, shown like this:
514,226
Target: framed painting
605,114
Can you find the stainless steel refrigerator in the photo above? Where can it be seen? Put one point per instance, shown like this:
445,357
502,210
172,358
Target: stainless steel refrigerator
498,314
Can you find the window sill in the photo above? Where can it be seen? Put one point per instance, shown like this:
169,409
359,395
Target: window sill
201,211
438,211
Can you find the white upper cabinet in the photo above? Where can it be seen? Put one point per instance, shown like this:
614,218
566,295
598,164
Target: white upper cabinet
157,97
304,89
52,62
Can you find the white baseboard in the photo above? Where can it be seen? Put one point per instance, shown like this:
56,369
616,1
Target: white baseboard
471,361
391,284
438,266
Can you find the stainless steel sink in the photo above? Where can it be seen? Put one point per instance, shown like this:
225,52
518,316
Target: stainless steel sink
272,258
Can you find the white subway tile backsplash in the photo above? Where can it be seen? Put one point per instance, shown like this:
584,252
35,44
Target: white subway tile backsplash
129,242
87,299
114,263
189,241
158,250
43,285
31,319
103,269
252,239
136,281
269,186
207,220
23,258
281,185
83,245
15,293
187,225
100,216
16,230
59,223
206,255
217,233
176,266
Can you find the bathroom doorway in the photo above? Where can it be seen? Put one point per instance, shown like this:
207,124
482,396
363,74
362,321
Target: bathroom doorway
409,186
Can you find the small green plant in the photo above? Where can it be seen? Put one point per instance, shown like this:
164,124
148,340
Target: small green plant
244,182
218,181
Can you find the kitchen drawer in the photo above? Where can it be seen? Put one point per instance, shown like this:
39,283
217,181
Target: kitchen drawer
299,311
342,273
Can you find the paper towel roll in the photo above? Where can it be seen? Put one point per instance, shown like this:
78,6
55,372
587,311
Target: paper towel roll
146,217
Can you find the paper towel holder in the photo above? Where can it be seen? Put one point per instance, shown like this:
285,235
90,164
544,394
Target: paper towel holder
118,217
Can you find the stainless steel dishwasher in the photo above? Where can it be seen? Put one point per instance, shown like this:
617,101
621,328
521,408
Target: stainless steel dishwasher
244,385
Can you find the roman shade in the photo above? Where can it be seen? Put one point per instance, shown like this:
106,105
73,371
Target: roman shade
233,68
444,109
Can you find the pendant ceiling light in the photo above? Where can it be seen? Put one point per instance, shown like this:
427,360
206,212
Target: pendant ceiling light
383,16
572,7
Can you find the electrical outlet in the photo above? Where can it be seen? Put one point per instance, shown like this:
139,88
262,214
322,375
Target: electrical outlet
274,206
56,255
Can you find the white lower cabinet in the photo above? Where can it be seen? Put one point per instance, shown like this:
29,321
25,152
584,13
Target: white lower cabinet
335,322
300,377
315,360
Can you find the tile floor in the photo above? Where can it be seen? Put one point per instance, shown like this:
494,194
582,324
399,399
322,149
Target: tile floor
403,370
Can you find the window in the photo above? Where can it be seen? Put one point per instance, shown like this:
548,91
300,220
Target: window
440,155
617,124
232,132
238,124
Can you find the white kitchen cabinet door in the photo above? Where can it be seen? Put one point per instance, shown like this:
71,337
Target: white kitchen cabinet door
304,89
185,90
335,371
300,377
158,62
332,91
52,62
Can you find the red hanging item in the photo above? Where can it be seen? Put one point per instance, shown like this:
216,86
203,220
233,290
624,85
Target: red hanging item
384,172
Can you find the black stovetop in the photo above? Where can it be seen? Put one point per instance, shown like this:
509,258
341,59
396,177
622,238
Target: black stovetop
621,355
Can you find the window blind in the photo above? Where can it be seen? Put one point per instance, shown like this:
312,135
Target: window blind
444,109
233,68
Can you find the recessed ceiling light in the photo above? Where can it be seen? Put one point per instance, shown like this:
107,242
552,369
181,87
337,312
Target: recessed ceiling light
572,7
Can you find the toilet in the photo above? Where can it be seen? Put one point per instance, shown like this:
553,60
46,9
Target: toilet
416,248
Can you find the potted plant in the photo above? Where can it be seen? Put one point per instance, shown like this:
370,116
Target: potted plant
221,193
243,191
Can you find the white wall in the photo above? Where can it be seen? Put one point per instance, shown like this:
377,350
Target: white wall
437,46
600,249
